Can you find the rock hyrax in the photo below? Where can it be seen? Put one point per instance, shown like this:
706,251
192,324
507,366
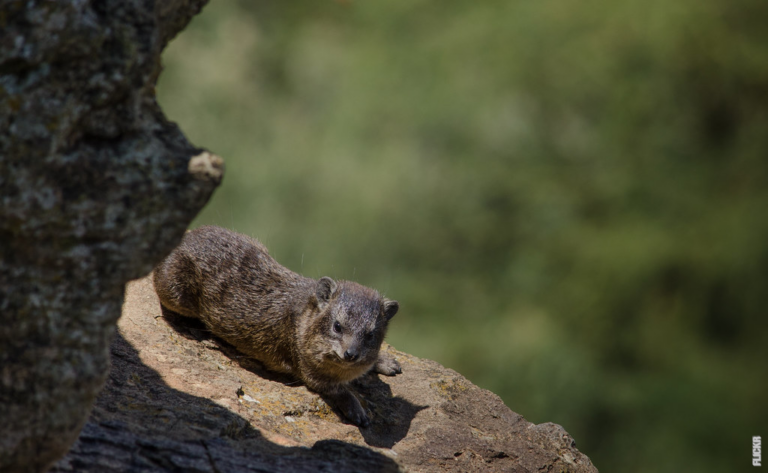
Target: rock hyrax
324,332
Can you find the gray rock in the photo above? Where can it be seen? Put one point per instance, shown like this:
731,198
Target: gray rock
179,400
96,187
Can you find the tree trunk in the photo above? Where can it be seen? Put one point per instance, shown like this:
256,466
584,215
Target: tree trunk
96,187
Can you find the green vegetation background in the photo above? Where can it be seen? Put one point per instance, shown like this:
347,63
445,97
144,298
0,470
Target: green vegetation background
569,199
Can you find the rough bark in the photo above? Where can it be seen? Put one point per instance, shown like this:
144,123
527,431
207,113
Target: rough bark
96,187
179,400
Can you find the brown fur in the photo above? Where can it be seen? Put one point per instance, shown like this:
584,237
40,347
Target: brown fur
285,320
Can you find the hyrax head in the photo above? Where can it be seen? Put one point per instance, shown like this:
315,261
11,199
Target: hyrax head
352,320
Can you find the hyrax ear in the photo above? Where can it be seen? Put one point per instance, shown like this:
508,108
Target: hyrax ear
390,308
326,288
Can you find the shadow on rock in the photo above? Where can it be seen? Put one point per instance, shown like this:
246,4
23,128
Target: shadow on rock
391,417
139,423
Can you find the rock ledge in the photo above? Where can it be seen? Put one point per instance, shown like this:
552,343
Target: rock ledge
179,400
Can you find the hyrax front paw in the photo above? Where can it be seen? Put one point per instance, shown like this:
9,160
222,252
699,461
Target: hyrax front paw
387,366
357,415
348,404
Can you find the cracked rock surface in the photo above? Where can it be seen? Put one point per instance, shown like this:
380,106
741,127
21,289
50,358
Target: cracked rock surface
178,399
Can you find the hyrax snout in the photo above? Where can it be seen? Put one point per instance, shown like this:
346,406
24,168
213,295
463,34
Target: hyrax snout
324,332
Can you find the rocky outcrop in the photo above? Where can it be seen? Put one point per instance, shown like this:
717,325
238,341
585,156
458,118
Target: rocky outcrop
96,187
179,400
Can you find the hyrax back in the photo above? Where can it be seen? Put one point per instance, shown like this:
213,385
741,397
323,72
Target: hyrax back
324,332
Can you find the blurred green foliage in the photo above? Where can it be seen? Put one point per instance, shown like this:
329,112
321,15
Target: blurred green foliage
569,200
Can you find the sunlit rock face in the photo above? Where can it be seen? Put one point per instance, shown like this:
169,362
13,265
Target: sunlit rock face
178,398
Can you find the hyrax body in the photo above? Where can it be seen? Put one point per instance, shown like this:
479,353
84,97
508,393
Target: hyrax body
324,332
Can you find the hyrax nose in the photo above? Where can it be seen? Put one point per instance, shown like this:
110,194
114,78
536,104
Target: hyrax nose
350,355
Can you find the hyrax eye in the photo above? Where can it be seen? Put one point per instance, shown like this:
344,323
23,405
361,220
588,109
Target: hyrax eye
337,327
369,336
